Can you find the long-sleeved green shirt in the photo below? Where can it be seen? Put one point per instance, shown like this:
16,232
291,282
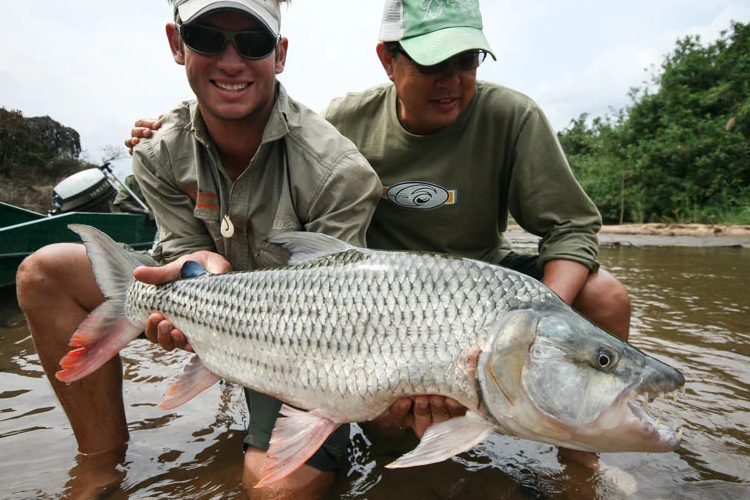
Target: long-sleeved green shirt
452,191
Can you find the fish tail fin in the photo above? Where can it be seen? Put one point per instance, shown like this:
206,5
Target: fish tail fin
106,330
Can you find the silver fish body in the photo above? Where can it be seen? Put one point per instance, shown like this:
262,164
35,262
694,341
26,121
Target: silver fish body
349,331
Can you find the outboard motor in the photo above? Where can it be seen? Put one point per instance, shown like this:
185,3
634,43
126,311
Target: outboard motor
85,191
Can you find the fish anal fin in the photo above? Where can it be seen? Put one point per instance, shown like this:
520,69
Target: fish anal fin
295,438
442,441
195,379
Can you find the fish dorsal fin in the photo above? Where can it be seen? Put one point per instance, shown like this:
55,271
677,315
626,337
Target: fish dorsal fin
192,269
305,246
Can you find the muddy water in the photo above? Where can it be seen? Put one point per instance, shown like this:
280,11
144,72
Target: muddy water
691,309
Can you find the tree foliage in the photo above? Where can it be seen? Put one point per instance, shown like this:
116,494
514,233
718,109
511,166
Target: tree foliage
680,153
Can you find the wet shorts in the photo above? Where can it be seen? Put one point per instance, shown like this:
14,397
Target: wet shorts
524,263
264,410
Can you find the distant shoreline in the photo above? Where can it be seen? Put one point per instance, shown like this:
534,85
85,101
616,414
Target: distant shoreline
656,234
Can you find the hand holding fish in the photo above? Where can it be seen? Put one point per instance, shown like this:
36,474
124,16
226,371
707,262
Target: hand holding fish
416,413
158,329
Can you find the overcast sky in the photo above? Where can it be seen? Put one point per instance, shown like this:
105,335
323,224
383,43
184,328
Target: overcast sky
97,65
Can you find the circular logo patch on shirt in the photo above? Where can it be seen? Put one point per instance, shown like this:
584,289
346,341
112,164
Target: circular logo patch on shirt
419,195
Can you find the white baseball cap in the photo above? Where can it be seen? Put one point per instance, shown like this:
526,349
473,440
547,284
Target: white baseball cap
266,11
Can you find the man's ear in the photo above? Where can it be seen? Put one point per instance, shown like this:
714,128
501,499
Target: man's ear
281,49
175,44
386,59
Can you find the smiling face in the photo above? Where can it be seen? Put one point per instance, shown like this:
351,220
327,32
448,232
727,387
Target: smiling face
227,86
427,103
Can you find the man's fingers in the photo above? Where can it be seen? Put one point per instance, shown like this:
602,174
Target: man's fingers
152,327
455,408
401,407
146,123
422,415
439,409
165,337
158,275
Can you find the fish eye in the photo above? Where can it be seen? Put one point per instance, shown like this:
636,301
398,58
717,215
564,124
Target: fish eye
605,358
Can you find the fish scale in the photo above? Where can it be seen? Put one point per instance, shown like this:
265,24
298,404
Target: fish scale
377,336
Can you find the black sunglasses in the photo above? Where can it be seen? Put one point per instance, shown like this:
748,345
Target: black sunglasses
211,41
465,61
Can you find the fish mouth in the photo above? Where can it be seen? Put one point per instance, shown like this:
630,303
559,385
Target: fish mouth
632,412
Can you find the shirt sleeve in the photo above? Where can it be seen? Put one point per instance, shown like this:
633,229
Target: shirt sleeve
345,201
546,200
180,232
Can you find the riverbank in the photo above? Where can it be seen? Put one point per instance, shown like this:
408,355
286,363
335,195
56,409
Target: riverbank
694,235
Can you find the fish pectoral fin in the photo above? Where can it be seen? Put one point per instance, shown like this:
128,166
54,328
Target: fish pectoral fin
294,439
195,379
442,441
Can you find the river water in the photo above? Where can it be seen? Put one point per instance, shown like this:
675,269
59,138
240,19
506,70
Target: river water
691,309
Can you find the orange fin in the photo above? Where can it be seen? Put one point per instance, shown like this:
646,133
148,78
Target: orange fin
295,438
195,379
100,337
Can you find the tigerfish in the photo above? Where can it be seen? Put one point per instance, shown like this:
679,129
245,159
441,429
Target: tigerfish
341,332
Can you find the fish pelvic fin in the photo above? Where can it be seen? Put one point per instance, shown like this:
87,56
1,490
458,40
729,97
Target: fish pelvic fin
442,441
295,438
106,330
195,379
305,246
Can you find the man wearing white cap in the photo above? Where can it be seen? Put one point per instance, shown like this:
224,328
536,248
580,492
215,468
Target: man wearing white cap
240,163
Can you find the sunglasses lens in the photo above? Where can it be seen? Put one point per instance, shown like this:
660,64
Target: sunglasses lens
254,44
202,39
467,61
210,41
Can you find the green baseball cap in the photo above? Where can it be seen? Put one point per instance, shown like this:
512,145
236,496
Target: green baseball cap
431,31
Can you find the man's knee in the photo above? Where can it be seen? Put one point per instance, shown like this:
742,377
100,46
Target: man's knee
603,291
31,277
605,301
56,272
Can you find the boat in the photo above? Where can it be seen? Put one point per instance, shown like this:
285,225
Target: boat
82,198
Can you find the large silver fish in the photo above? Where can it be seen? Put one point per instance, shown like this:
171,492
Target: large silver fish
343,332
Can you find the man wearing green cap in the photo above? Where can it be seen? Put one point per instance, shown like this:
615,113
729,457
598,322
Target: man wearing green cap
456,157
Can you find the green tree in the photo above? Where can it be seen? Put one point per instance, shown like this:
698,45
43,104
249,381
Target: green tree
682,152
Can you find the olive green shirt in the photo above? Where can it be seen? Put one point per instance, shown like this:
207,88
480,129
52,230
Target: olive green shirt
452,191
305,176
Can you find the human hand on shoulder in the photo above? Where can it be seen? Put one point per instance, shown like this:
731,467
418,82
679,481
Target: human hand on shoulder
160,330
143,127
